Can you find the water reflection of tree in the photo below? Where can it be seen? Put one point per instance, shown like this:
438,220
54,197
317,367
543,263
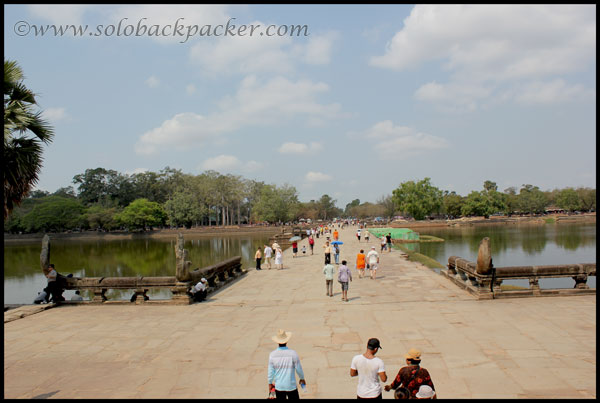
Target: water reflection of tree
571,237
500,239
534,239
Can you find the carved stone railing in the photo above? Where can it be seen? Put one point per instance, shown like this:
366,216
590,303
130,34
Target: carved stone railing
484,281
216,275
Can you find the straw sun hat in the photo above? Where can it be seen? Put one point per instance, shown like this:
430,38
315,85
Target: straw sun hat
413,354
282,337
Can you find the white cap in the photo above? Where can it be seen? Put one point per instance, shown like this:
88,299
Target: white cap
425,392
203,280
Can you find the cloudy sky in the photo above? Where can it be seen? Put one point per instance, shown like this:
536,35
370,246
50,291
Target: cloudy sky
364,98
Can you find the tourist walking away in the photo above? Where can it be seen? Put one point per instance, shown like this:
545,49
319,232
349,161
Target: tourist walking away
388,240
311,243
327,248
199,291
360,263
366,235
370,370
358,234
284,364
279,258
373,260
344,277
410,378
268,253
328,271
77,296
336,253
258,257
383,243
295,249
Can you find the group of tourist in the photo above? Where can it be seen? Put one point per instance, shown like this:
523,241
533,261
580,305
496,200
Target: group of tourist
411,382
268,254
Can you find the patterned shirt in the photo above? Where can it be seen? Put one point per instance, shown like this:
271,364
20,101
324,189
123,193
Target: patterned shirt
406,374
282,364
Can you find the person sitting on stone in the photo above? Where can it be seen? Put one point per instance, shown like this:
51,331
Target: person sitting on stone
199,291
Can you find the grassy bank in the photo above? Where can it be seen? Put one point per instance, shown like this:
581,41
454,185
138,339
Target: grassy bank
420,258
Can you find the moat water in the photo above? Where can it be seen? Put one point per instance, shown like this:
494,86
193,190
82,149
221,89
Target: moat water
512,245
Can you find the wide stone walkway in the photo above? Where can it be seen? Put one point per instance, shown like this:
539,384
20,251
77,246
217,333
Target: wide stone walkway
510,348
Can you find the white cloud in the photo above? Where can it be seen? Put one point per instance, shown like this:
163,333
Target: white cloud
318,49
181,131
152,82
190,89
556,91
293,148
312,177
229,163
492,48
55,114
259,54
400,141
299,148
221,163
255,104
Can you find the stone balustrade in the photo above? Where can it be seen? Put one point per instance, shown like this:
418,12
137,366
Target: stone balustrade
216,275
485,283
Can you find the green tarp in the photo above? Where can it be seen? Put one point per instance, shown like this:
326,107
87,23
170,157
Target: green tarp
397,233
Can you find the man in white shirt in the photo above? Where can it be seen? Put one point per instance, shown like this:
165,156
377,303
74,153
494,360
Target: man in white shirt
199,291
268,253
373,260
369,370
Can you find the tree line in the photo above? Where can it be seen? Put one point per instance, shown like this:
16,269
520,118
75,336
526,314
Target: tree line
108,200
421,199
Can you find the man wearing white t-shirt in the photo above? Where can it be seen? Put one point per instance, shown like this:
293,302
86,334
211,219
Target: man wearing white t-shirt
373,260
268,254
369,370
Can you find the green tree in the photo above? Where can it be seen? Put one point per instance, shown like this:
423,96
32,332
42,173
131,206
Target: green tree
532,200
587,198
141,214
54,213
24,133
418,199
484,203
452,204
511,200
276,204
353,203
326,207
568,199
98,216
184,209
387,205
490,186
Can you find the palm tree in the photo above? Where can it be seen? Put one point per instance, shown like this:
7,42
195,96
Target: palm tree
22,153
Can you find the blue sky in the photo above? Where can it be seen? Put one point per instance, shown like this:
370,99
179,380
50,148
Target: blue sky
373,96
